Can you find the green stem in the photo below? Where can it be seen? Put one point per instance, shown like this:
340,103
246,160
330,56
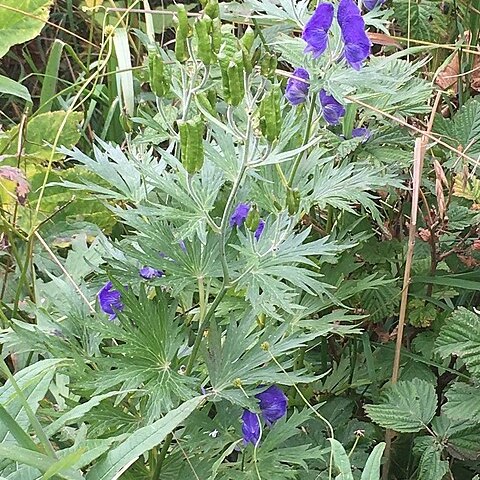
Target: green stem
23,276
161,457
305,141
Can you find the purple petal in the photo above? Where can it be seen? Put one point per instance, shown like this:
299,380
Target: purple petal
347,8
239,215
273,404
259,230
250,427
150,272
371,4
331,109
315,32
361,132
297,90
110,300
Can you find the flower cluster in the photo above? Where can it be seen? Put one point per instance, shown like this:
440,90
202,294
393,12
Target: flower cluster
273,406
240,215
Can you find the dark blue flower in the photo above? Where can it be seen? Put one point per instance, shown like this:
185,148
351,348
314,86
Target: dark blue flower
150,272
371,4
273,404
315,32
239,215
332,110
250,427
110,300
356,42
182,246
259,230
361,132
297,88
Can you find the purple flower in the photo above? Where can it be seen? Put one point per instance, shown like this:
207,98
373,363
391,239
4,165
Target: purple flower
150,272
363,132
110,300
273,404
182,246
239,215
331,109
371,4
259,230
315,32
352,25
297,90
250,427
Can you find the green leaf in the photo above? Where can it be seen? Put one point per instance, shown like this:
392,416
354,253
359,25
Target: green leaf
372,467
41,135
406,406
463,129
11,87
22,438
142,440
37,460
34,382
460,336
21,21
463,402
341,460
65,463
431,466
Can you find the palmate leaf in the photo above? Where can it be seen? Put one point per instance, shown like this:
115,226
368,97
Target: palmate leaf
406,406
460,336
274,268
238,354
146,357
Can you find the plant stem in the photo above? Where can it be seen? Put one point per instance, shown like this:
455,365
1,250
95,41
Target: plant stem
305,141
161,457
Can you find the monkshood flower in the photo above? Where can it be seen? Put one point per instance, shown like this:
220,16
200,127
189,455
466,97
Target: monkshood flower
371,4
259,229
357,44
361,132
239,215
273,404
250,427
110,300
315,32
297,90
332,110
149,272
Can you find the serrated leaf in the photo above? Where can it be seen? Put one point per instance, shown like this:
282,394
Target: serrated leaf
463,402
142,440
460,336
22,21
431,466
406,406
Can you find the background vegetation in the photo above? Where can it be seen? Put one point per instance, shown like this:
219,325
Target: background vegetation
358,299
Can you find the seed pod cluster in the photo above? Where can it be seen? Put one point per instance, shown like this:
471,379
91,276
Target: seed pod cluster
270,114
191,143
159,74
232,68
183,31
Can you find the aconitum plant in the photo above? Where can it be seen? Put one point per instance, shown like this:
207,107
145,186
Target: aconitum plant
240,198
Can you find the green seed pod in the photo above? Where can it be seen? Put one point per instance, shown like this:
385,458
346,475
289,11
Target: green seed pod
235,83
253,219
248,38
204,48
159,78
191,144
268,64
181,21
270,114
212,98
247,61
293,201
216,34
204,101
212,9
